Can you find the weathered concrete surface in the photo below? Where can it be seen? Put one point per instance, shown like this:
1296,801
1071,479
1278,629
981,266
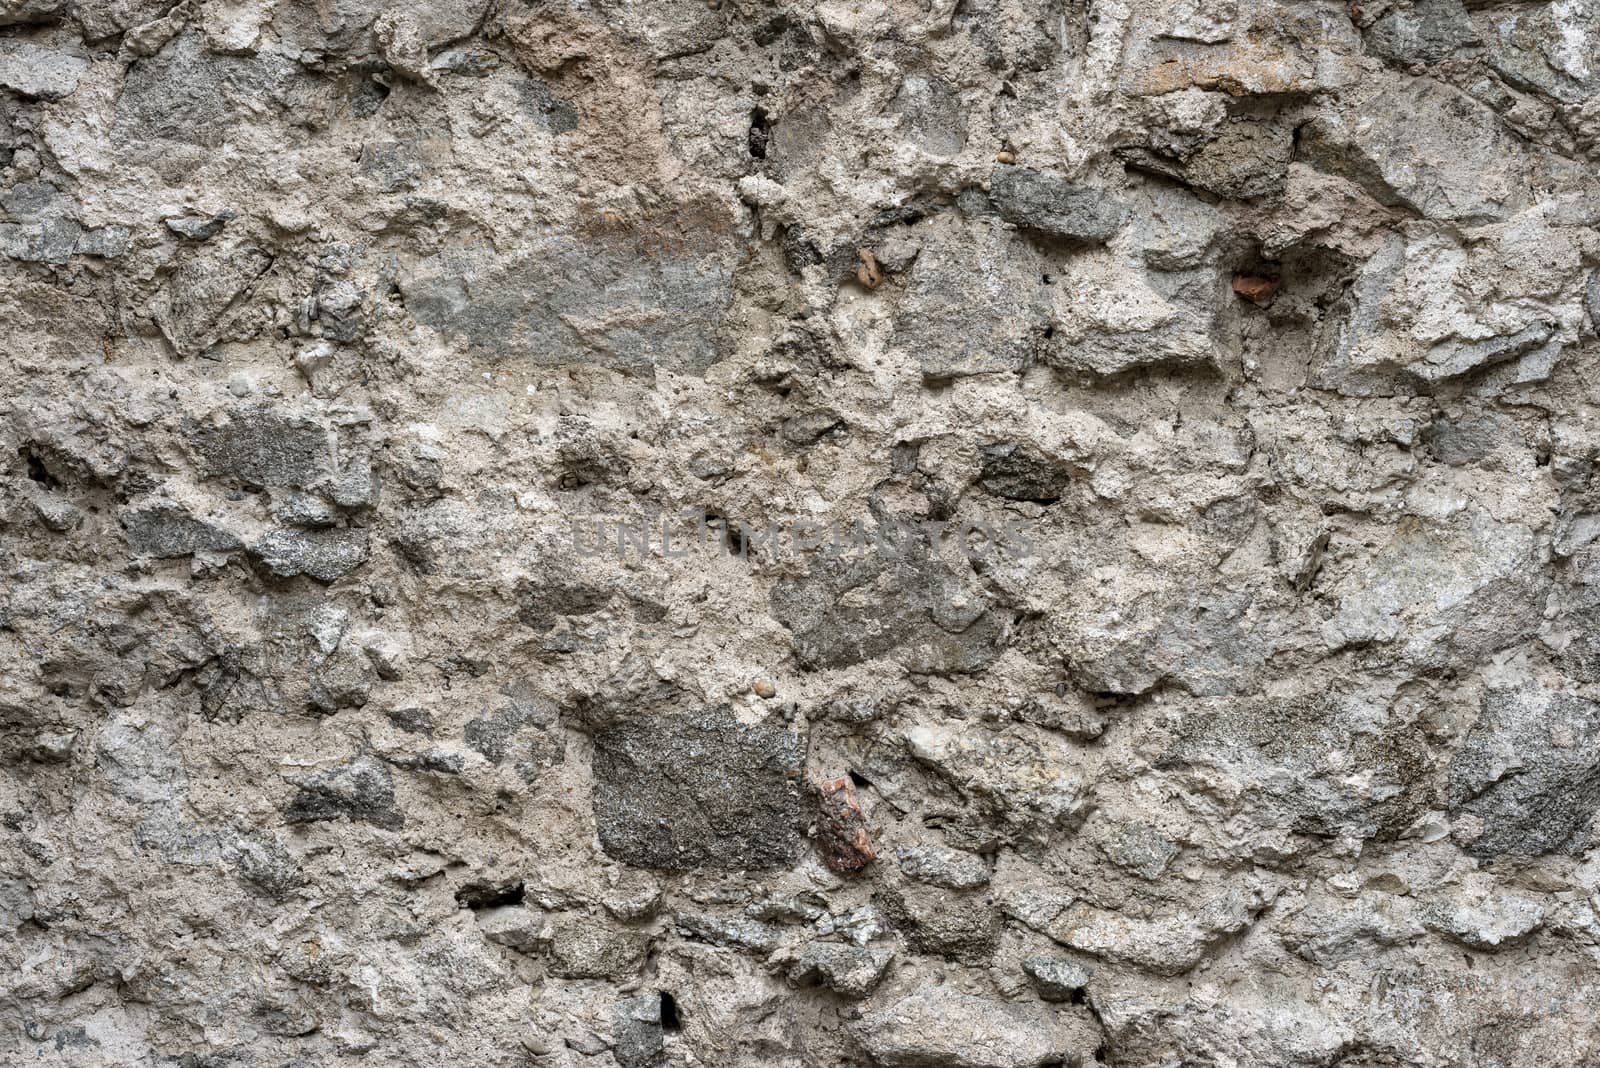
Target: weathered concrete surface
725,533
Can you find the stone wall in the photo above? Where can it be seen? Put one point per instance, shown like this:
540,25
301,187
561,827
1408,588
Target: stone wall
969,533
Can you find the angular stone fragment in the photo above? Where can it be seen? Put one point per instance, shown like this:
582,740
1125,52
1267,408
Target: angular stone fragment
700,791
34,71
1529,772
325,555
964,928
1496,922
1169,945
901,602
585,947
1243,160
651,296
1051,205
167,531
973,304
638,1038
1022,473
952,869
1425,146
361,791
1056,979
1425,32
518,927
931,114
738,932
851,971
186,94
953,1030
260,446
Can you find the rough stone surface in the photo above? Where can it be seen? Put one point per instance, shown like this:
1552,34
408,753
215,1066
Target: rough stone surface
667,533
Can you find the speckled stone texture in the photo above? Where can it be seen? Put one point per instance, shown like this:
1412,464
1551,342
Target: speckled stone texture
749,534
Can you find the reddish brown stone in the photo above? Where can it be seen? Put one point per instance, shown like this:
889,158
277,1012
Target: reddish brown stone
842,827
1254,288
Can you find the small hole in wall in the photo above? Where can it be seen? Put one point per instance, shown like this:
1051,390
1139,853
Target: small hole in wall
760,132
37,470
670,1018
859,780
1100,1055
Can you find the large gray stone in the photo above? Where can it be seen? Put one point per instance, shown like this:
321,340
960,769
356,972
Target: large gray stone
700,791
1051,205
945,1028
1529,772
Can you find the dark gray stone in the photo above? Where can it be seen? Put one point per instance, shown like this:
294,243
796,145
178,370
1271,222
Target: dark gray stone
186,94
167,531
1049,204
1022,473
361,791
1530,770
325,555
263,447
959,927
199,227
700,791
637,1035
850,971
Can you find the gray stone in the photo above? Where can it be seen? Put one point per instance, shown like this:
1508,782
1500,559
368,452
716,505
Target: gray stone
199,227
938,866
631,302
1049,204
700,791
1496,923
736,932
167,531
957,927
1425,146
41,73
1022,473
325,555
1427,31
849,971
931,115
1055,978
518,927
188,95
901,602
1244,159
1529,772
585,947
361,791
263,447
953,1030
973,304
638,1038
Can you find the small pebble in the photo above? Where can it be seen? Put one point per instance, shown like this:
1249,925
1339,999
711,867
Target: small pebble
765,690
1005,157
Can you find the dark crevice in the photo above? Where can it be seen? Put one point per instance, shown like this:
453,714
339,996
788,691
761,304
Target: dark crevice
671,1019
477,896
